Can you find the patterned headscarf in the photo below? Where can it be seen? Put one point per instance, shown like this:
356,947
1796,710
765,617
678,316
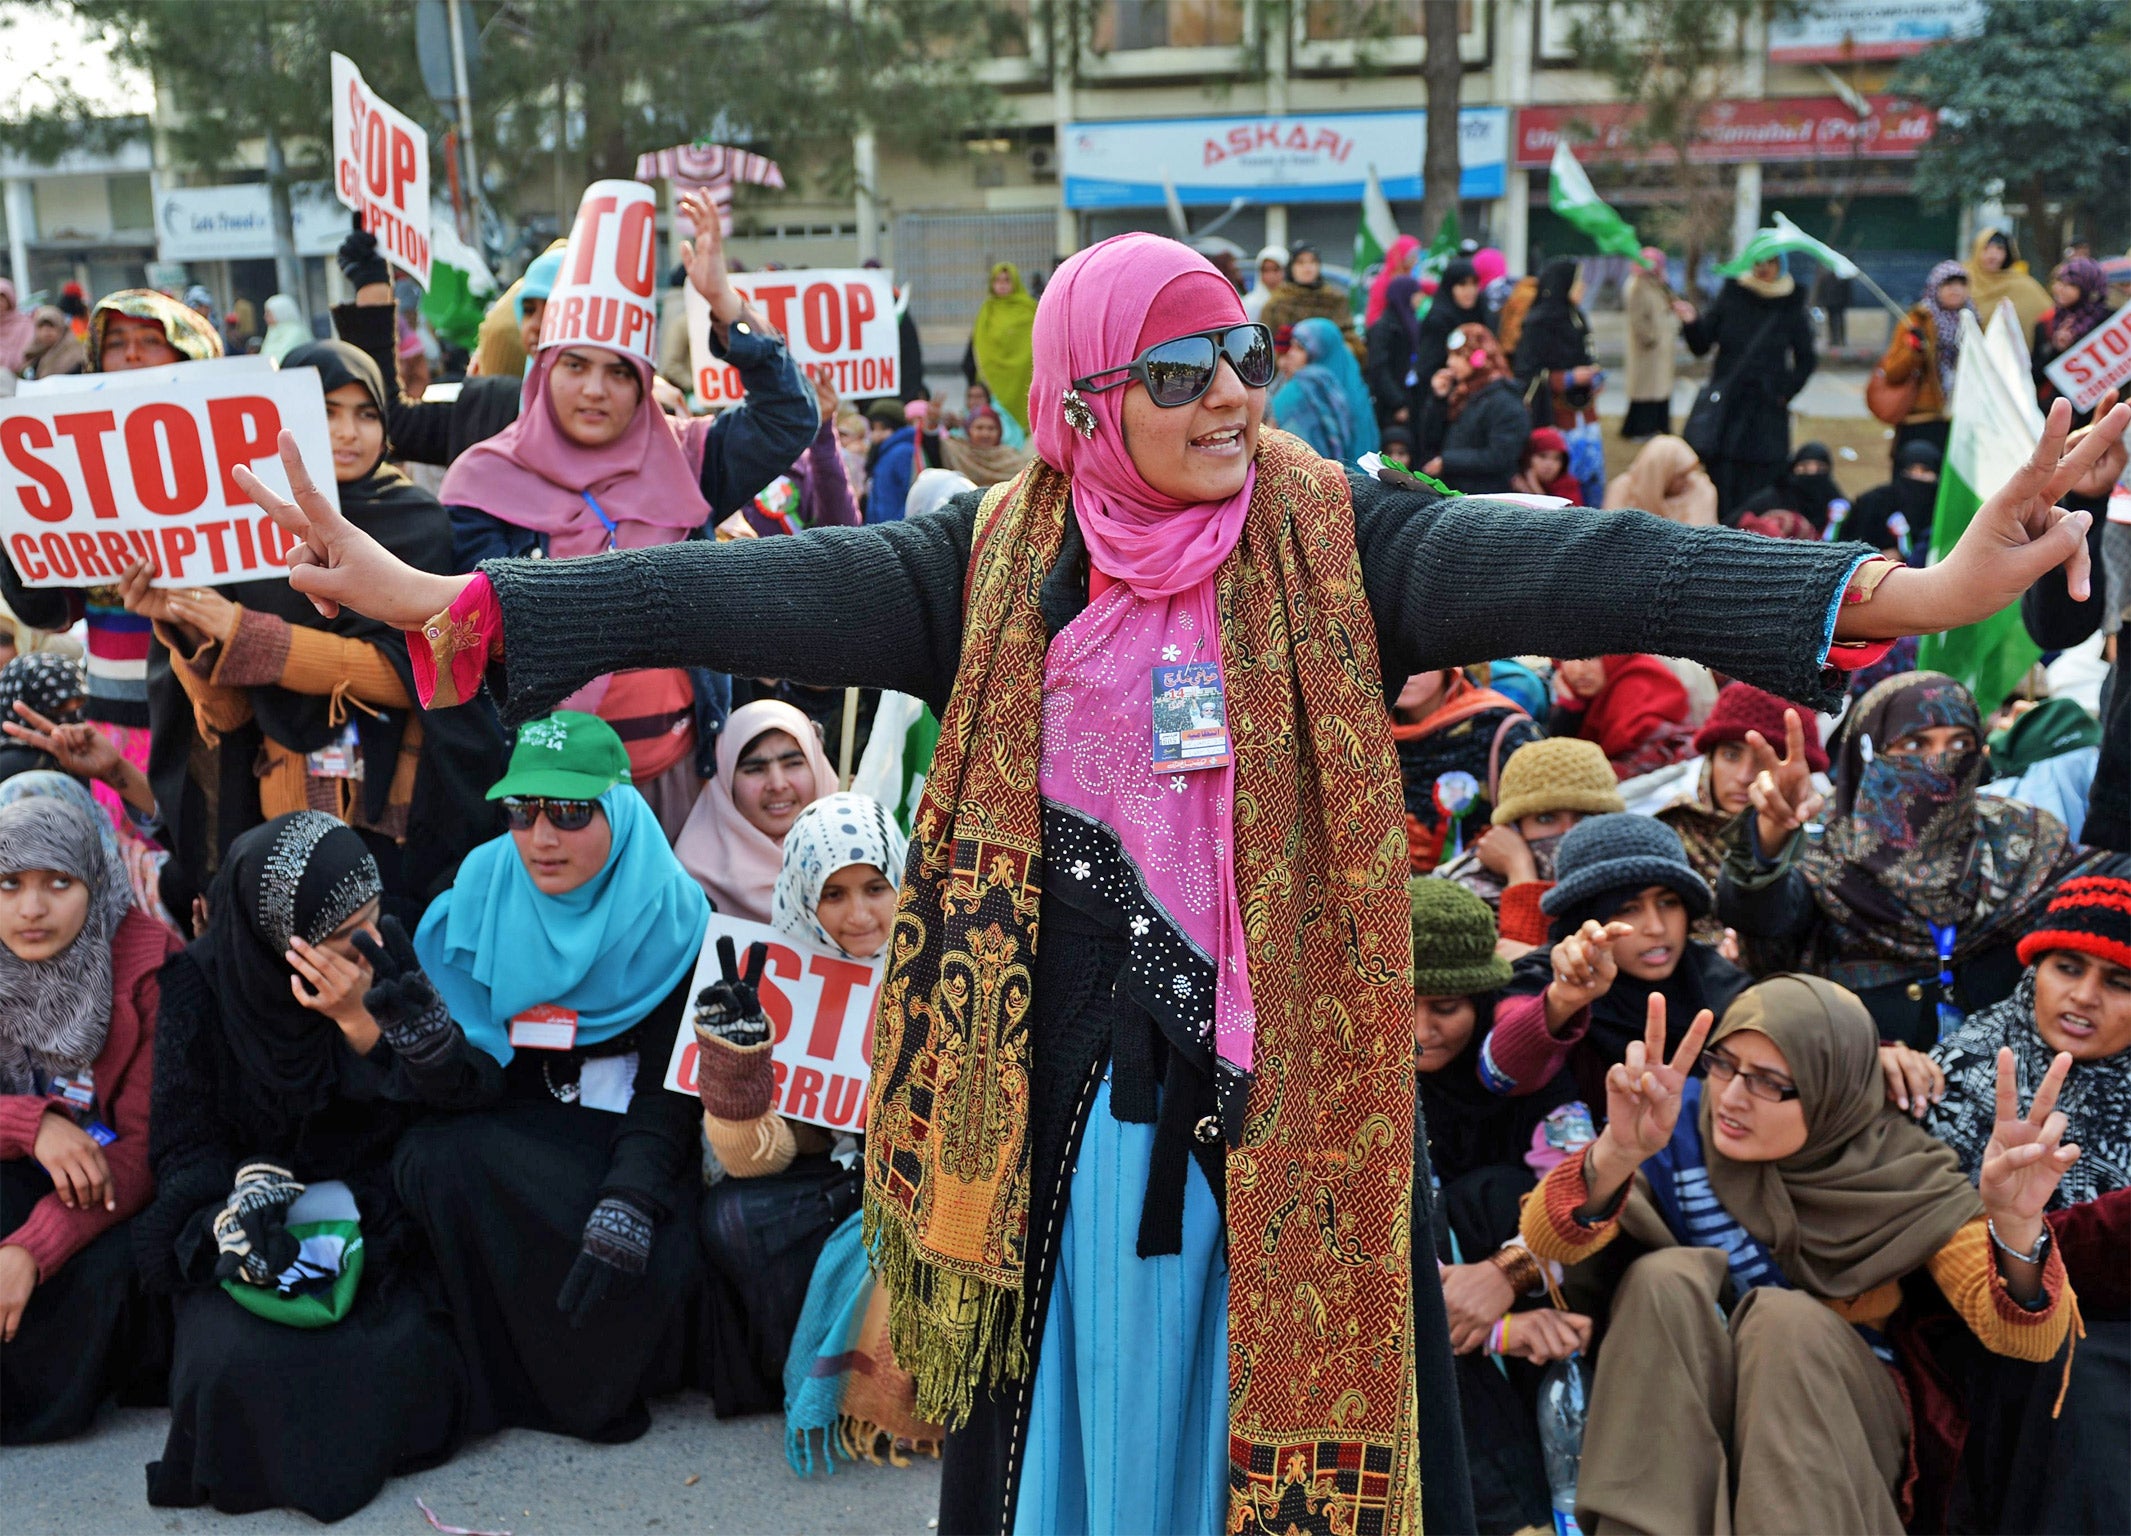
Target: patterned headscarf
1946,323
53,684
188,330
831,834
56,1013
2074,320
1909,843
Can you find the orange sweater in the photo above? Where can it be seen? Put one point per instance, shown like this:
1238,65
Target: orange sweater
1964,1268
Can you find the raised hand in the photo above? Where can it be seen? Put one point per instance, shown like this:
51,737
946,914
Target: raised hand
1914,1081
704,256
1474,1296
1782,790
412,1017
326,982
81,748
335,562
1584,969
2027,1155
142,597
1643,1091
2115,453
1503,851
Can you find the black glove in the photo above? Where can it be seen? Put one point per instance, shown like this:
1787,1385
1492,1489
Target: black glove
409,1014
617,1241
730,1009
251,1231
359,260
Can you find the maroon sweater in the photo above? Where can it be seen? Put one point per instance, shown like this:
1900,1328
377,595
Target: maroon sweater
124,1072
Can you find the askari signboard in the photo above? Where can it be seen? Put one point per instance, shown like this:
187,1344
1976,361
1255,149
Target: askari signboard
381,169
1781,129
1311,157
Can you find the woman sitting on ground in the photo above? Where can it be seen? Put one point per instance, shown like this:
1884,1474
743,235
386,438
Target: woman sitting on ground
78,999
770,767
1914,890
1635,708
563,1219
291,1054
1744,1382
1547,787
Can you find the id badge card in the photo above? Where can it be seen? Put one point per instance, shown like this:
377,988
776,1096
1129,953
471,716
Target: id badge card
340,758
77,1092
1190,718
545,1027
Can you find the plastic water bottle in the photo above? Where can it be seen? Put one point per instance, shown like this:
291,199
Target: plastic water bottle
1563,1393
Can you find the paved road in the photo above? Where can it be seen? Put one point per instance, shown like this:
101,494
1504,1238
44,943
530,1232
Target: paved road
527,1484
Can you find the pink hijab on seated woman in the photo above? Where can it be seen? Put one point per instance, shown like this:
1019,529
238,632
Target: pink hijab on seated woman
725,847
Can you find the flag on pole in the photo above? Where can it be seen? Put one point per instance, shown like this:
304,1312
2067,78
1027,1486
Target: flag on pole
1786,238
1440,253
1996,425
1371,241
1569,194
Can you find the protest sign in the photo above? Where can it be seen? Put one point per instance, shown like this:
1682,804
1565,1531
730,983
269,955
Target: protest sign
840,326
91,482
820,1009
381,169
602,295
2099,363
134,378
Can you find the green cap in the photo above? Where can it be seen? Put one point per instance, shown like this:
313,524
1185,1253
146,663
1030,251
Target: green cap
567,756
1453,940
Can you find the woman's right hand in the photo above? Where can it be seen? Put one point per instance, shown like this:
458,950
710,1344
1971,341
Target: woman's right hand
1684,310
1584,967
71,1159
142,597
1442,381
1643,1091
1782,790
1474,1295
1544,1335
335,562
81,748
1503,851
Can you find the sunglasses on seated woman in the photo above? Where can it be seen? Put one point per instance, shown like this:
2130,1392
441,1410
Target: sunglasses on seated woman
562,815
1179,370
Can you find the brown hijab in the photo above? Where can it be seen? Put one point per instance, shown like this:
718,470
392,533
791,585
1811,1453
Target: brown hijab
1665,477
1871,1195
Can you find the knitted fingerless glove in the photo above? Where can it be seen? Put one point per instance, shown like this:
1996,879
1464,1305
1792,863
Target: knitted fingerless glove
409,1014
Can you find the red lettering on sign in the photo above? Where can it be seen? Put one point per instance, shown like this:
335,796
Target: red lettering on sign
599,319
584,238
213,532
61,558
804,1101
839,978
26,561
824,318
404,167
775,1001
18,435
374,168
187,486
773,299
178,542
245,428
845,1100
87,429
245,556
116,550
636,251
84,546
859,306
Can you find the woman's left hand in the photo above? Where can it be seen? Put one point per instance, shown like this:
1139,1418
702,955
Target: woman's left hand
1434,466
1545,1335
331,984
2109,468
704,257
206,611
1914,1080
2026,1157
2016,538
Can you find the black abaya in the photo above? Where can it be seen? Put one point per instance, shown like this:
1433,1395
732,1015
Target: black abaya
503,1196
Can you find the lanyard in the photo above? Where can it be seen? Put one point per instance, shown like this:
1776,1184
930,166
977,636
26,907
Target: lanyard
1942,939
600,512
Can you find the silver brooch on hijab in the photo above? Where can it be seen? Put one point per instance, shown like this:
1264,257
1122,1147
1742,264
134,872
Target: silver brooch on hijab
1077,414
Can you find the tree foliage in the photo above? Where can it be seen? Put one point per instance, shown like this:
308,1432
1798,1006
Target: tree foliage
2036,100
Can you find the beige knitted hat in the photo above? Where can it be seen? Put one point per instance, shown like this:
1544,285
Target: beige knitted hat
1558,774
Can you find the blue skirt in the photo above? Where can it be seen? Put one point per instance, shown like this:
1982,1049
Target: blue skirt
1128,1417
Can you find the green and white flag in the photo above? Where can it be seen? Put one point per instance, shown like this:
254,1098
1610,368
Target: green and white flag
1371,241
1440,253
1996,425
1569,194
1785,238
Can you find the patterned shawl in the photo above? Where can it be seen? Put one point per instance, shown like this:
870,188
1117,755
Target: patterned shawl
1909,843
1321,1394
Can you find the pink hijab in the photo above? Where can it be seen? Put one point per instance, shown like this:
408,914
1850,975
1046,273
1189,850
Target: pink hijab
735,861
532,476
1397,261
18,329
1149,851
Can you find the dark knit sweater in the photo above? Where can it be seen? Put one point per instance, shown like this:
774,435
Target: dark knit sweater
206,1118
1451,582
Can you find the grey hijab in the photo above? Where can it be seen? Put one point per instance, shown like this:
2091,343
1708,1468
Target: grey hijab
55,1014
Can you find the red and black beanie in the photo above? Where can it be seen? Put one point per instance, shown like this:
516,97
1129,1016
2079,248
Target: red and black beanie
1741,708
2089,913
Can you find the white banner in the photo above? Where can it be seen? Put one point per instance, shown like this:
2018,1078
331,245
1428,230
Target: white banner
840,326
236,223
381,169
2101,362
820,1009
602,295
93,481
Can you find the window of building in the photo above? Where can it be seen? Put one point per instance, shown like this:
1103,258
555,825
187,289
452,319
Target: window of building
132,201
1123,26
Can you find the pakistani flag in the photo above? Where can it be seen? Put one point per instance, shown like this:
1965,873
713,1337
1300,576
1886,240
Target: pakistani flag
1569,194
1783,239
1996,425
1371,241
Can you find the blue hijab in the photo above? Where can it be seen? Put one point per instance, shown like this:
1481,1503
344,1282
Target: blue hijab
494,945
1325,402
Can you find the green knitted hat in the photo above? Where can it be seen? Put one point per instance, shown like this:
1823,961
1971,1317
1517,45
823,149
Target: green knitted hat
1453,940
1561,773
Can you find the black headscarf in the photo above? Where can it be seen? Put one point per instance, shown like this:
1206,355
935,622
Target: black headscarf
462,749
1471,1126
1811,496
1300,249
1432,346
303,874
1555,336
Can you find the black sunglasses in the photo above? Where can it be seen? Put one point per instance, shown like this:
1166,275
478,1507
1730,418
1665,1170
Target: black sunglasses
1179,370
563,815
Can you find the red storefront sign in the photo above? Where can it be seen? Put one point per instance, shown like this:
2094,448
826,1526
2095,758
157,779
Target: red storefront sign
1787,128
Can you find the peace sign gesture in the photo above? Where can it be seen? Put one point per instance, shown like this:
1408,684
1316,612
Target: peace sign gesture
1642,1104
2025,1161
1782,788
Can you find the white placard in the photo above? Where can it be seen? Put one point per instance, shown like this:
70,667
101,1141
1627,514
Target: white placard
602,295
381,169
2101,362
820,1008
133,378
839,324
90,483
